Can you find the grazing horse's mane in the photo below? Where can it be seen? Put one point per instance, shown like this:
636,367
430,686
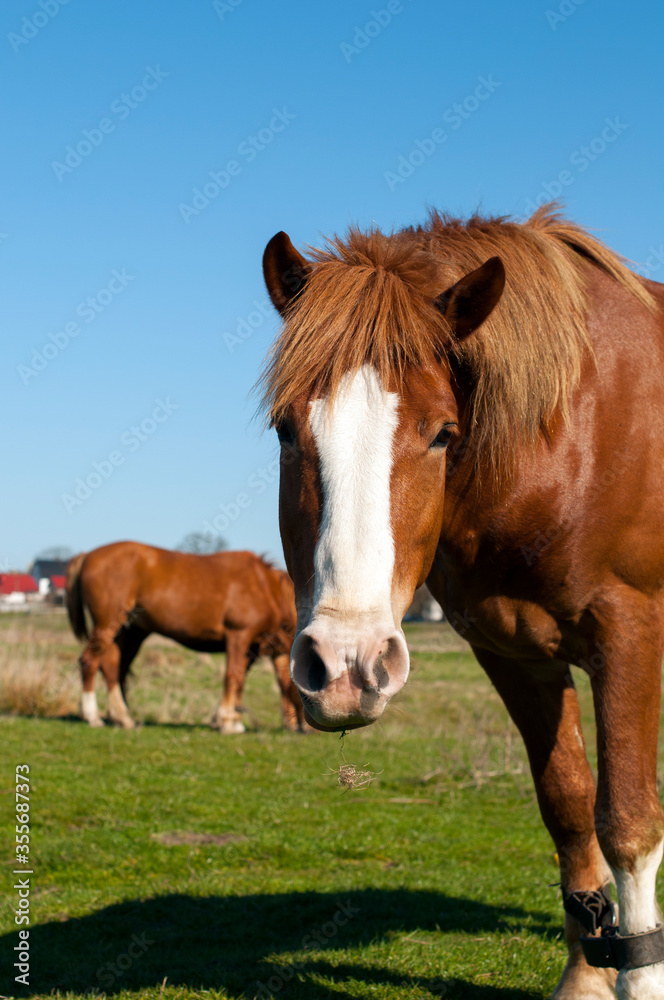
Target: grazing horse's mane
267,562
370,299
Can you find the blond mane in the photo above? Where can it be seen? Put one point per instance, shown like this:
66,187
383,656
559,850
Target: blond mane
370,300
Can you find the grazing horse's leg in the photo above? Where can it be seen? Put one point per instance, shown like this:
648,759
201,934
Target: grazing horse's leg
541,698
128,641
252,655
626,683
89,662
292,710
110,667
226,717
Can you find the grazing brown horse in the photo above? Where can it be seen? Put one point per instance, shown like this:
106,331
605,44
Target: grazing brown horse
232,602
481,405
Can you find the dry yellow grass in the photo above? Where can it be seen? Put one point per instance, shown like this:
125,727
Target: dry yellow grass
37,676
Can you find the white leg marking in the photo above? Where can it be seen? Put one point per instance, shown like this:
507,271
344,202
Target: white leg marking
639,912
354,557
227,721
89,709
231,727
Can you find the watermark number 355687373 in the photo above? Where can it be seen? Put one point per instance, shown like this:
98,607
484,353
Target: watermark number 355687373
22,868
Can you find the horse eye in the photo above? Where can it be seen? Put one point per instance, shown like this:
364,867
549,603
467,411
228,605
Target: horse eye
285,433
442,439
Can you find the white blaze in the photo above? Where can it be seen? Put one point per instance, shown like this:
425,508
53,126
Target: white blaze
354,557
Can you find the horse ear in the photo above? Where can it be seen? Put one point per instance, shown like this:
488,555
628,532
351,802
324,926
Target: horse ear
285,271
468,303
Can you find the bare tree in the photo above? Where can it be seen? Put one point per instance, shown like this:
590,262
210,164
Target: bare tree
56,552
201,544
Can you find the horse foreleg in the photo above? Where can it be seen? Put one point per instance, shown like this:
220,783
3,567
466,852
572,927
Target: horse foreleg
626,682
128,641
542,701
292,710
226,718
117,706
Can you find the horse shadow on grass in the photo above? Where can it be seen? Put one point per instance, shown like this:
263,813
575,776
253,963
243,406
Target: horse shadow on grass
259,946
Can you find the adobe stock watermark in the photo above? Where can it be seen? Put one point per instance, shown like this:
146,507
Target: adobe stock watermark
223,7
461,623
120,109
247,150
257,483
542,540
653,261
319,937
130,440
87,310
111,971
579,160
438,987
32,25
247,325
454,116
365,34
562,13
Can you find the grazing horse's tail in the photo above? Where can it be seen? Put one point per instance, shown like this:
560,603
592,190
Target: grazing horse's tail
75,608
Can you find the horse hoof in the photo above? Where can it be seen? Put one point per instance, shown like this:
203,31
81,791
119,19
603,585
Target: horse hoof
126,723
231,727
584,983
96,723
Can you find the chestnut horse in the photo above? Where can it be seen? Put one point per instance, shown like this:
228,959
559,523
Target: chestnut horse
446,397
232,602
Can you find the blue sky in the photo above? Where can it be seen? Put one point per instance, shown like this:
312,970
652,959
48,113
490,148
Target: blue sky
133,311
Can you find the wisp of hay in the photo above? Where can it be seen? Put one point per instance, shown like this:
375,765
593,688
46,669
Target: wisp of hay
350,777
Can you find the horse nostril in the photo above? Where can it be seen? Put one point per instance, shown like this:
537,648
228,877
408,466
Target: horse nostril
317,674
380,673
308,666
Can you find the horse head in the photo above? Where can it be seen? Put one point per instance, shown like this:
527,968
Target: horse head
360,389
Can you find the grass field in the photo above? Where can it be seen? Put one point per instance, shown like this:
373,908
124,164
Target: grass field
170,861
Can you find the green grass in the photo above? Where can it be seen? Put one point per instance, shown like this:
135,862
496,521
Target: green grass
438,872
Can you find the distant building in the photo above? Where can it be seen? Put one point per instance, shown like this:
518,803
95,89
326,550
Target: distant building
15,588
45,583
425,608
46,569
50,576
56,589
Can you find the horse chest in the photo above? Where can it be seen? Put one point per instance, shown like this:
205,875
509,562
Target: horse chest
513,628
489,619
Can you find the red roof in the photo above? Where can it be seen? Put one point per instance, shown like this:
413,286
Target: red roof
58,582
23,582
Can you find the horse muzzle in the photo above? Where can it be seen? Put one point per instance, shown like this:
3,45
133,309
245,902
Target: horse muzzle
346,676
